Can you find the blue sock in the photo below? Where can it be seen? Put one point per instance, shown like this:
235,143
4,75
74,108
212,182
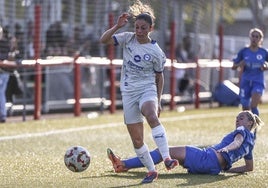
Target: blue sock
136,163
255,110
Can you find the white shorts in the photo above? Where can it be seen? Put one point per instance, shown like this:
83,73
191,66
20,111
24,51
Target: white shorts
132,106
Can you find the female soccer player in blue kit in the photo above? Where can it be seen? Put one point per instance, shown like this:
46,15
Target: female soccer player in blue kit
141,83
236,145
252,62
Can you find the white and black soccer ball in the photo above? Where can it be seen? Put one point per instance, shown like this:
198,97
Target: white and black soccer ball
77,158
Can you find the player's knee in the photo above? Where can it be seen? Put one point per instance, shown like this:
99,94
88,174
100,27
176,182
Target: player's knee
137,143
152,120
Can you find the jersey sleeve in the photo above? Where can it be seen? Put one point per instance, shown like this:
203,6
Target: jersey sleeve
159,66
121,38
160,61
241,130
249,156
266,55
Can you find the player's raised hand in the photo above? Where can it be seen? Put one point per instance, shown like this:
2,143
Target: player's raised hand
122,20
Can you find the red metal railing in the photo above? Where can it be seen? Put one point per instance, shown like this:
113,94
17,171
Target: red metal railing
78,61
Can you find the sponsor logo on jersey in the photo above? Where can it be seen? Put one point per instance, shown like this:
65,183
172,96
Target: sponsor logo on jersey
137,58
147,57
259,56
134,66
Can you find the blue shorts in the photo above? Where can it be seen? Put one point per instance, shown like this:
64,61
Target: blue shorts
248,87
201,161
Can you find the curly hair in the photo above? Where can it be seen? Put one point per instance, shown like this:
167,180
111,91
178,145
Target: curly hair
138,9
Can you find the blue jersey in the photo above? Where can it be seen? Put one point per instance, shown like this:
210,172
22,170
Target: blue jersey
254,60
244,151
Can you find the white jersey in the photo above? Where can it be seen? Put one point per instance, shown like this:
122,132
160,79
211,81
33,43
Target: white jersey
140,63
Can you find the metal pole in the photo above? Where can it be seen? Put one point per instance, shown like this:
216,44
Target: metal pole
77,89
197,85
112,70
26,47
38,76
172,74
221,44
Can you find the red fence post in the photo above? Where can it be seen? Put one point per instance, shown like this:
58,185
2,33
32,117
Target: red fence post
38,68
112,70
77,89
220,52
172,74
197,84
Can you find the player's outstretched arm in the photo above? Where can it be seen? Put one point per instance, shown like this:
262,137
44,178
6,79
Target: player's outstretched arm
106,37
242,169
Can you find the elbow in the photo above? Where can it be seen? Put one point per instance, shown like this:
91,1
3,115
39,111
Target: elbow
105,40
234,67
102,40
249,166
250,169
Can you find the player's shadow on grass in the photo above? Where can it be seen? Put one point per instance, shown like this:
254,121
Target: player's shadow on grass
134,175
188,179
197,179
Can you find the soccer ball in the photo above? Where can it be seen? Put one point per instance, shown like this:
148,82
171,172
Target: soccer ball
77,158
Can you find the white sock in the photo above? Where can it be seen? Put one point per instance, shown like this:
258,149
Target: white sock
145,157
160,139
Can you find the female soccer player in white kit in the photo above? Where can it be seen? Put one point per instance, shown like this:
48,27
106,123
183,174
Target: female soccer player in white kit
141,84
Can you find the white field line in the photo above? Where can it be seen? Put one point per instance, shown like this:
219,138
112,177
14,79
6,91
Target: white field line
109,125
